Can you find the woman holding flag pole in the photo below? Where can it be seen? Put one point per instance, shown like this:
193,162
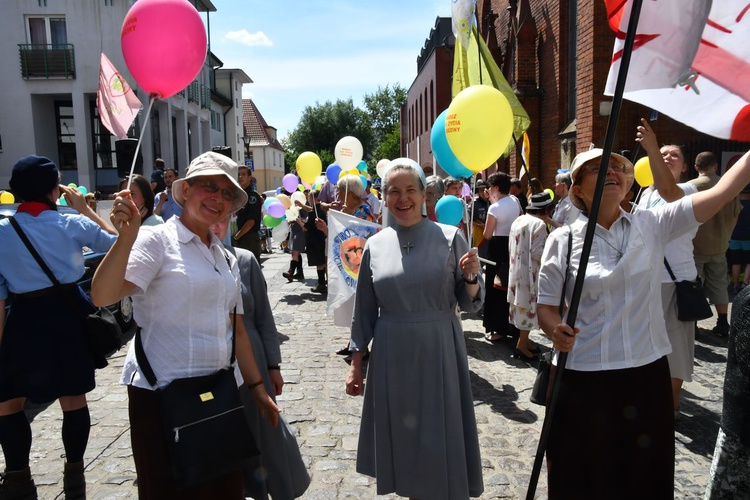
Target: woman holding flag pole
615,394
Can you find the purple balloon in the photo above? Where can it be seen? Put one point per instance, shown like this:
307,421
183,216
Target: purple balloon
466,190
276,210
290,183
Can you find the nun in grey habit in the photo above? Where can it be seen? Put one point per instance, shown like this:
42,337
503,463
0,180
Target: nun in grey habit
418,434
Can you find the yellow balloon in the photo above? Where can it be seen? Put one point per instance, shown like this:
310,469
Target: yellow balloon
479,126
550,193
285,200
7,197
354,172
309,167
642,172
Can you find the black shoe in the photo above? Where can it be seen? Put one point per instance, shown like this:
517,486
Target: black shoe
319,288
344,352
721,329
298,276
17,485
288,275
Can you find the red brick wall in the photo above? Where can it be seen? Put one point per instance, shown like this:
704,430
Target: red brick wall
538,71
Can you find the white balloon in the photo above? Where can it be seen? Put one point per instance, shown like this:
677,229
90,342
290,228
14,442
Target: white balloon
348,152
381,167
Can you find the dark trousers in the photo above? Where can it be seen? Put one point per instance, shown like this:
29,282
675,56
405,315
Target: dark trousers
250,241
152,459
612,435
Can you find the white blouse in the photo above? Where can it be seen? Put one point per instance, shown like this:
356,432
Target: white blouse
186,292
620,316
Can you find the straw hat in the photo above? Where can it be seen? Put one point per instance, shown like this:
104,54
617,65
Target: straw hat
212,163
592,154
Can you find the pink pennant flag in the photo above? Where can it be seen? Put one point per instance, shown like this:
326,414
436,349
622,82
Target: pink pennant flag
118,105
690,64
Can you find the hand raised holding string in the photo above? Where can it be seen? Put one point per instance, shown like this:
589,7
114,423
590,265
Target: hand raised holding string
125,215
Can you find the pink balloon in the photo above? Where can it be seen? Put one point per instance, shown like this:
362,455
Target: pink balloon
290,183
466,190
164,45
276,210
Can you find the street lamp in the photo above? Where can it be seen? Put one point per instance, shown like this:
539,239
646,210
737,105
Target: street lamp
246,141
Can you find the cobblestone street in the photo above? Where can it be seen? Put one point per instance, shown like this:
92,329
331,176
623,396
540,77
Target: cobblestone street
326,420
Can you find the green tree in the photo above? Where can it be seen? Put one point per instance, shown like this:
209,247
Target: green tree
384,109
321,126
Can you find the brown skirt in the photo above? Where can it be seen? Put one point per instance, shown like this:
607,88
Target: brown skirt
612,435
152,459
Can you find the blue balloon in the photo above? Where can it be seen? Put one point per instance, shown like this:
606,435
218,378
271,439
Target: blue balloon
364,180
269,201
449,210
443,152
333,172
278,190
362,166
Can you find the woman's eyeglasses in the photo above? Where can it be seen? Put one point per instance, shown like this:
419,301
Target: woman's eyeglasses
212,187
593,168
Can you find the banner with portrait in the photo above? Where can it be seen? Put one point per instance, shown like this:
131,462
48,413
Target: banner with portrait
346,241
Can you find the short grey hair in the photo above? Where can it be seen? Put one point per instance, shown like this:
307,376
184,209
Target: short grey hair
351,184
564,178
437,183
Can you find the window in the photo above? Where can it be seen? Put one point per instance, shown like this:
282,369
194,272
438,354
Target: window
46,30
66,135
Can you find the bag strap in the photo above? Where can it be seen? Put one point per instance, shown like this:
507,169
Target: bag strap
567,268
669,270
34,253
140,353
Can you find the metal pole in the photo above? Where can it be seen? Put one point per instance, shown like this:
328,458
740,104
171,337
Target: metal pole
588,239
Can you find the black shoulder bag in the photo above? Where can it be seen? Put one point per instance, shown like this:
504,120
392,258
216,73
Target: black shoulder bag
207,433
692,304
544,369
102,330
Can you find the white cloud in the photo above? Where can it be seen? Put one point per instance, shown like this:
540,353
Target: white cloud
242,36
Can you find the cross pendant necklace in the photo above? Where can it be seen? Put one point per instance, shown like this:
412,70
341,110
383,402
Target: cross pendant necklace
620,251
408,247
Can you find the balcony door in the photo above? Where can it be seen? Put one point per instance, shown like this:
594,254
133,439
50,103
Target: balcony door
48,31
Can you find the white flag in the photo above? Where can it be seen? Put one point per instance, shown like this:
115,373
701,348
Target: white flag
346,241
715,99
462,19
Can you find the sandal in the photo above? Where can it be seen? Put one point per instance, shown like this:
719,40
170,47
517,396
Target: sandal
493,337
518,354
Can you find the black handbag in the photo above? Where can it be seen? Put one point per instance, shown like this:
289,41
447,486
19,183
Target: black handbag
692,304
207,433
103,332
545,368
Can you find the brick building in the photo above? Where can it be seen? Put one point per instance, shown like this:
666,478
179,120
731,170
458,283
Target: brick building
556,55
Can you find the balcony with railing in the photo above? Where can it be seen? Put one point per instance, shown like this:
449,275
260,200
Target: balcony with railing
47,61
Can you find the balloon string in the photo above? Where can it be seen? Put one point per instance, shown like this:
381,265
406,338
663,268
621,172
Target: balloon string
471,216
138,145
140,140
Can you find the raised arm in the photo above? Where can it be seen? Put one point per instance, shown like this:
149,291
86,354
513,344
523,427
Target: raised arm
664,181
707,203
77,201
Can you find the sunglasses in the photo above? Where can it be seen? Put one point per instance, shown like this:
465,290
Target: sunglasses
213,188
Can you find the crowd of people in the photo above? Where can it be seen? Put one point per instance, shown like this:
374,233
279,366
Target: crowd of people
627,355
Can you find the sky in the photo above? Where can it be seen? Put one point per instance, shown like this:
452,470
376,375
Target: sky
302,52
